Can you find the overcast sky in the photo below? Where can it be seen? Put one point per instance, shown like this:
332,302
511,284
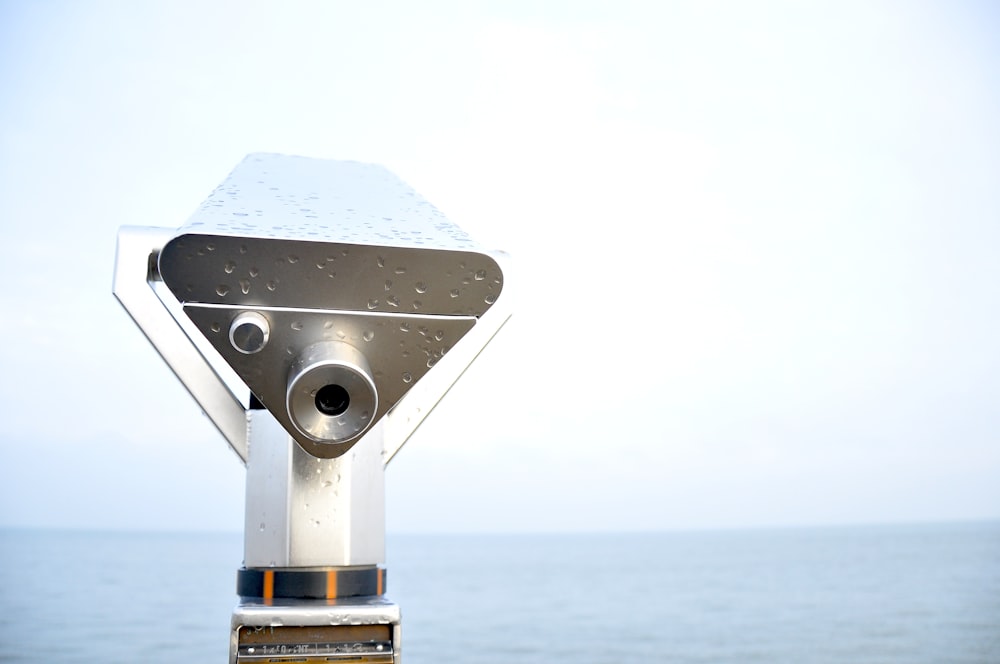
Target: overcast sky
756,250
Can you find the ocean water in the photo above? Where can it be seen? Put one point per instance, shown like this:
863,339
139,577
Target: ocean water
927,593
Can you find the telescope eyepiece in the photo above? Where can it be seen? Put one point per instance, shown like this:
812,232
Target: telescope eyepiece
331,395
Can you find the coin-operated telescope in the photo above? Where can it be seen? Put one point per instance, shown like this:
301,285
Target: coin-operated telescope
317,311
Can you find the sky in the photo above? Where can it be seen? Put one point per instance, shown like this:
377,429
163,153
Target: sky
755,251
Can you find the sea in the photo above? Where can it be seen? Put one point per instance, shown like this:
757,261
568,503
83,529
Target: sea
882,594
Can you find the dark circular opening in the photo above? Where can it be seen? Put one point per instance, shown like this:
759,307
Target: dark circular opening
332,400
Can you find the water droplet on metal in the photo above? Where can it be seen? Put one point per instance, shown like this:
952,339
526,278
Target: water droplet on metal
439,335
328,325
404,327
243,248
216,327
254,271
380,261
420,287
297,325
417,304
222,290
293,259
373,303
245,286
454,292
210,247
368,335
400,270
229,267
388,284
490,299
271,285
407,377
480,275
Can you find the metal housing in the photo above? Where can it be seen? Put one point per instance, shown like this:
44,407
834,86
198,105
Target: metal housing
317,311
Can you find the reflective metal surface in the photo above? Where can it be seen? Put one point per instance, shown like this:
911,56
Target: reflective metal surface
305,511
180,345
352,630
311,274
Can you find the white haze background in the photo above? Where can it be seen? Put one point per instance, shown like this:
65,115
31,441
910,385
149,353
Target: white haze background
756,250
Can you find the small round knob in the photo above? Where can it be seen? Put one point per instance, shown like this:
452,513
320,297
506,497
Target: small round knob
249,332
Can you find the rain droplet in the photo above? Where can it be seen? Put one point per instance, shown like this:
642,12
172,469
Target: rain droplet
293,259
400,270
373,303
454,292
328,325
210,247
297,325
388,284
243,248
216,327
490,299
407,377
222,290
439,335
417,304
404,327
254,271
261,526
392,301
368,335
431,361
480,275
229,267
420,287
245,286
380,261
271,285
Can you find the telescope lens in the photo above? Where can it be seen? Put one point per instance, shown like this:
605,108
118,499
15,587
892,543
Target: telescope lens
332,400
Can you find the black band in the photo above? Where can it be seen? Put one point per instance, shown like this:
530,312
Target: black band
329,583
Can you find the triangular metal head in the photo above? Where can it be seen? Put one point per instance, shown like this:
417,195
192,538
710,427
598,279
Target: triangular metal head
330,288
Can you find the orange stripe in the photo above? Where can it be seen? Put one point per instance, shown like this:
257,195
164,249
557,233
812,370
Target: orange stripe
381,581
331,584
268,584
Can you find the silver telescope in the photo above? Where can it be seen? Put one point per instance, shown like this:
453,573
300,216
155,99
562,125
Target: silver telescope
317,311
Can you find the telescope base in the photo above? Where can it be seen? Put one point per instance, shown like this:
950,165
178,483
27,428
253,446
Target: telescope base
355,629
